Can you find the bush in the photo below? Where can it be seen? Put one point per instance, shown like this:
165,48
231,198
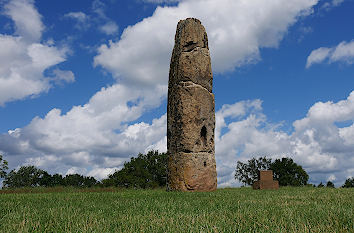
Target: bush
145,171
349,183
330,184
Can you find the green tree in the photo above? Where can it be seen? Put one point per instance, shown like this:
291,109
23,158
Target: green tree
90,181
349,183
48,180
45,180
77,180
145,171
74,180
110,181
30,176
3,167
26,176
287,172
330,184
320,185
57,180
248,173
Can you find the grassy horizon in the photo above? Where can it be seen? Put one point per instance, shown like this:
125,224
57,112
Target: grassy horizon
288,209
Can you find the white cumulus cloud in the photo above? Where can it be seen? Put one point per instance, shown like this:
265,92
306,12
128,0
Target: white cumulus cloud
23,58
27,20
236,31
109,28
343,52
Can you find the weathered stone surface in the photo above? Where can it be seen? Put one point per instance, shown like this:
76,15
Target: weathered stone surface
190,33
266,175
266,181
192,121
191,111
195,66
266,184
192,171
190,59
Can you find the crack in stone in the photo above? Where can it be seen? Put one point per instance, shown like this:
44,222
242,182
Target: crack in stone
190,48
191,84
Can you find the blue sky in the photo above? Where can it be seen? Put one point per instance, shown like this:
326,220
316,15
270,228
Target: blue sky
83,84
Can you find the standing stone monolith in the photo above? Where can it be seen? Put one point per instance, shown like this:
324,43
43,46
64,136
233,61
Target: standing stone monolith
191,111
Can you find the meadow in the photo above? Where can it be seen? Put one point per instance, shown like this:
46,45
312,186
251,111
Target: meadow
288,209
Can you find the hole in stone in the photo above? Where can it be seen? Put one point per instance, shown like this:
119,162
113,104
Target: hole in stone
189,43
204,163
189,46
203,134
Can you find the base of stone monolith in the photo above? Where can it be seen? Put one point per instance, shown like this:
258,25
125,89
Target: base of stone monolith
192,172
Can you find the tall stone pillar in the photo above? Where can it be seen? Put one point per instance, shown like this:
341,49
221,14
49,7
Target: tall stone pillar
191,111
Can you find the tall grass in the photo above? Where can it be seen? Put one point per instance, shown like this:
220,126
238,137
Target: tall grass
226,210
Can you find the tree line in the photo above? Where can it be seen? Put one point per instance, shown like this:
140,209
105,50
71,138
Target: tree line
145,171
150,171
31,176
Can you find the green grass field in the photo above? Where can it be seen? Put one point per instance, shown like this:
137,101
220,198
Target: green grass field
226,210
